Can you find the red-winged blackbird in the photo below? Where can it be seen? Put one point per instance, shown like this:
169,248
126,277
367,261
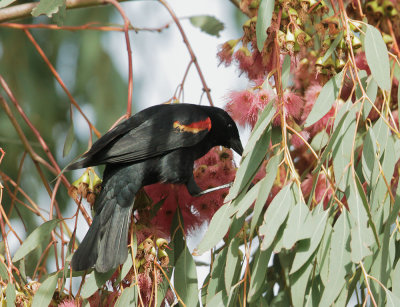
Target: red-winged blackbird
158,144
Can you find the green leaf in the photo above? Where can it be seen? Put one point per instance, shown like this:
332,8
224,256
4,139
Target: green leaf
265,188
4,3
216,282
185,278
299,283
3,271
342,152
391,299
10,295
232,267
294,225
94,282
316,221
60,16
331,142
340,262
69,140
377,57
125,269
45,292
129,297
219,300
395,275
332,47
275,215
320,140
325,100
217,229
47,7
262,123
207,24
178,237
361,236
285,71
37,237
371,91
242,203
264,18
249,166
258,274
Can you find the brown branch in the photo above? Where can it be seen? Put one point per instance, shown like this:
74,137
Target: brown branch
26,143
60,81
189,47
4,234
127,23
24,10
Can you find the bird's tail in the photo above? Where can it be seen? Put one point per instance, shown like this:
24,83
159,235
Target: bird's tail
78,164
105,244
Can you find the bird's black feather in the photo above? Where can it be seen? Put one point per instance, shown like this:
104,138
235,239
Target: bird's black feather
159,144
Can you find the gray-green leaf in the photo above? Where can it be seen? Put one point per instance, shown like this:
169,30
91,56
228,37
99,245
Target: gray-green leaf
207,24
325,100
264,18
377,57
37,237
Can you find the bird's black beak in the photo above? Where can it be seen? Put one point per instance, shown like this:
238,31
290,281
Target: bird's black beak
236,145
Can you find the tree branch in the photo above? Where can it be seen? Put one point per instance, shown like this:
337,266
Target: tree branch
24,10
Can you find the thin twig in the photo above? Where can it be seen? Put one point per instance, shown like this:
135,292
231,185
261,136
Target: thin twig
127,24
206,89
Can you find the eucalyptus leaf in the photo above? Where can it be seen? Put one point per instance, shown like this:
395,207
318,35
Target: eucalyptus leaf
45,292
217,229
207,24
264,18
325,99
48,7
36,238
10,295
275,215
306,248
377,57
128,297
185,278
69,140
94,282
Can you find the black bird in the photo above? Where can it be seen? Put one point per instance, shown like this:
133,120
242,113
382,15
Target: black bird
158,144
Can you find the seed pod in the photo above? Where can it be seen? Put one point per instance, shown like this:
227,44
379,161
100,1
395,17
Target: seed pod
388,39
356,42
388,7
339,64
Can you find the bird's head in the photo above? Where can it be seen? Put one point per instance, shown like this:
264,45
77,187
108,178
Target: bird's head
227,131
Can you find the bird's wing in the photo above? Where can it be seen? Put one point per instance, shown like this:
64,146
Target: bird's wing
158,134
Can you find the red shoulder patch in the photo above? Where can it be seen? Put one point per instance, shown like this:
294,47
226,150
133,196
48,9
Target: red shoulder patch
194,127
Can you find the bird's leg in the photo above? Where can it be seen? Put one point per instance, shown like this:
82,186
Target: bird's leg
227,185
192,187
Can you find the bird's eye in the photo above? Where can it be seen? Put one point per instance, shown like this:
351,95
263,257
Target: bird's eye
229,125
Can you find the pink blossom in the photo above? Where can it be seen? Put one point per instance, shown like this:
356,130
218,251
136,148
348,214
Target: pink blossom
245,106
310,97
293,104
68,303
297,141
214,169
239,104
225,53
361,62
244,58
322,190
